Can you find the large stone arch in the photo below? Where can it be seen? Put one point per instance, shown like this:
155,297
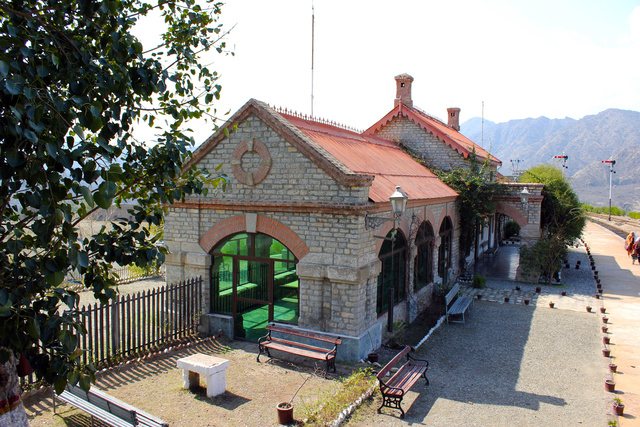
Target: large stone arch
255,223
511,212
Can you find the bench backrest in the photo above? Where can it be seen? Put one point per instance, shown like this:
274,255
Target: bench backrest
304,334
452,294
105,402
120,409
393,362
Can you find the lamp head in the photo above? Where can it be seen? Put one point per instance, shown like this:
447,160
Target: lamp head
398,202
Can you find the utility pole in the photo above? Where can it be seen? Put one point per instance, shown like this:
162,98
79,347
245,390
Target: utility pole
564,162
313,33
611,172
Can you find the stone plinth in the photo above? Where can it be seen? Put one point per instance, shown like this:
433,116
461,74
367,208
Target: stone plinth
213,368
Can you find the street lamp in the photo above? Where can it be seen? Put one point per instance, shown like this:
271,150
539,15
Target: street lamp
398,206
524,198
611,163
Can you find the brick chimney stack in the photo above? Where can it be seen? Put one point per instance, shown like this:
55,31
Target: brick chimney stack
454,118
403,90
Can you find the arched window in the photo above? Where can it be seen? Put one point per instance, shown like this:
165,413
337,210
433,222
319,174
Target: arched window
393,255
424,259
444,252
253,278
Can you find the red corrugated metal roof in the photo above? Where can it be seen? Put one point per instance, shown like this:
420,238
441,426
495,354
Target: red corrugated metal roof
367,154
451,137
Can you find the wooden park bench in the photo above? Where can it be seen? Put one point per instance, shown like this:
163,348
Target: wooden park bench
107,408
394,389
270,342
460,304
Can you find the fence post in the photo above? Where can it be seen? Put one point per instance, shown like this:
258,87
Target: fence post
115,325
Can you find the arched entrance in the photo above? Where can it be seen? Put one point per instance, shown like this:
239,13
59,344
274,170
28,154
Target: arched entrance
393,255
253,279
445,235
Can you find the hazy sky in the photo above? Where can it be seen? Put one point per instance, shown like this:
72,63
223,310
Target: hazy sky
561,58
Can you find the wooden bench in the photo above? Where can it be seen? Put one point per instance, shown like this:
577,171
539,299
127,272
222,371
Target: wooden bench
107,408
270,342
394,389
460,304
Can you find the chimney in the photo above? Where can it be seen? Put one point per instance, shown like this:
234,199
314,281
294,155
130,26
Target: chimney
454,118
403,90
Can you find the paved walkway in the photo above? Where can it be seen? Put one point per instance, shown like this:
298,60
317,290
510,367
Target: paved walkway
621,284
517,365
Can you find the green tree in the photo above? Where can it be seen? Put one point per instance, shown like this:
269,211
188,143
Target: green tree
562,221
74,82
561,211
478,191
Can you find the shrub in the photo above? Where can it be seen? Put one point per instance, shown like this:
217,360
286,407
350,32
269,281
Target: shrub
478,281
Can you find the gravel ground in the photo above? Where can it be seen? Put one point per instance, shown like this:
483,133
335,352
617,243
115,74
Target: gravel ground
509,365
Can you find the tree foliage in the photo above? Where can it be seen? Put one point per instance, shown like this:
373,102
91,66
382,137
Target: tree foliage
561,212
74,82
562,222
478,191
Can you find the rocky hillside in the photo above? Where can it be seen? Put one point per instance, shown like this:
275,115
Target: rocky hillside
610,134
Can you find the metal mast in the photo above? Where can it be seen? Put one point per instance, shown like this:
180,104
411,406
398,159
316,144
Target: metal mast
313,25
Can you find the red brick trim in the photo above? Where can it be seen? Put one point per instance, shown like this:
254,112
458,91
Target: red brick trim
251,146
511,212
268,226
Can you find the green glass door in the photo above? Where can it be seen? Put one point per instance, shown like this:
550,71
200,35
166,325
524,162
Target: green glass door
252,290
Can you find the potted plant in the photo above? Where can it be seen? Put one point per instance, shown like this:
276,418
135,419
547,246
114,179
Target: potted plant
588,309
610,385
526,302
605,319
597,296
538,289
551,304
506,299
605,329
285,409
606,340
606,352
563,293
602,310
613,367
618,406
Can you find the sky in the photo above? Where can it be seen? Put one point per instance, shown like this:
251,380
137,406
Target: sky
553,58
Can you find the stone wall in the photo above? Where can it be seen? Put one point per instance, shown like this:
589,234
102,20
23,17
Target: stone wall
434,151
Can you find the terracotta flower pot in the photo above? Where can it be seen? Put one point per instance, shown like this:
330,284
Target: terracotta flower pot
610,385
602,309
563,293
479,296
606,340
605,319
613,367
606,352
588,309
373,357
598,286
551,305
526,302
506,299
618,408
285,413
597,296
605,329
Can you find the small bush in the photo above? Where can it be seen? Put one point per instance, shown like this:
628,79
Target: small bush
478,281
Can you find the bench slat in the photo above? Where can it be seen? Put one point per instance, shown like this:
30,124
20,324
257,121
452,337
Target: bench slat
304,334
460,305
298,351
301,345
95,411
405,378
393,362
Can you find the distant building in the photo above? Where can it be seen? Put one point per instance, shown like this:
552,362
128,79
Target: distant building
288,242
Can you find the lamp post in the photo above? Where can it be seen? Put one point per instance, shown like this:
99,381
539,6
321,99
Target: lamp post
611,172
524,198
398,206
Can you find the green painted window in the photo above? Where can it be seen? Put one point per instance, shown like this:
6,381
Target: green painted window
393,254
424,258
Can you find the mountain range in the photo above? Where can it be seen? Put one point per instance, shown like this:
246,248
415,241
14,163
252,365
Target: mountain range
611,134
